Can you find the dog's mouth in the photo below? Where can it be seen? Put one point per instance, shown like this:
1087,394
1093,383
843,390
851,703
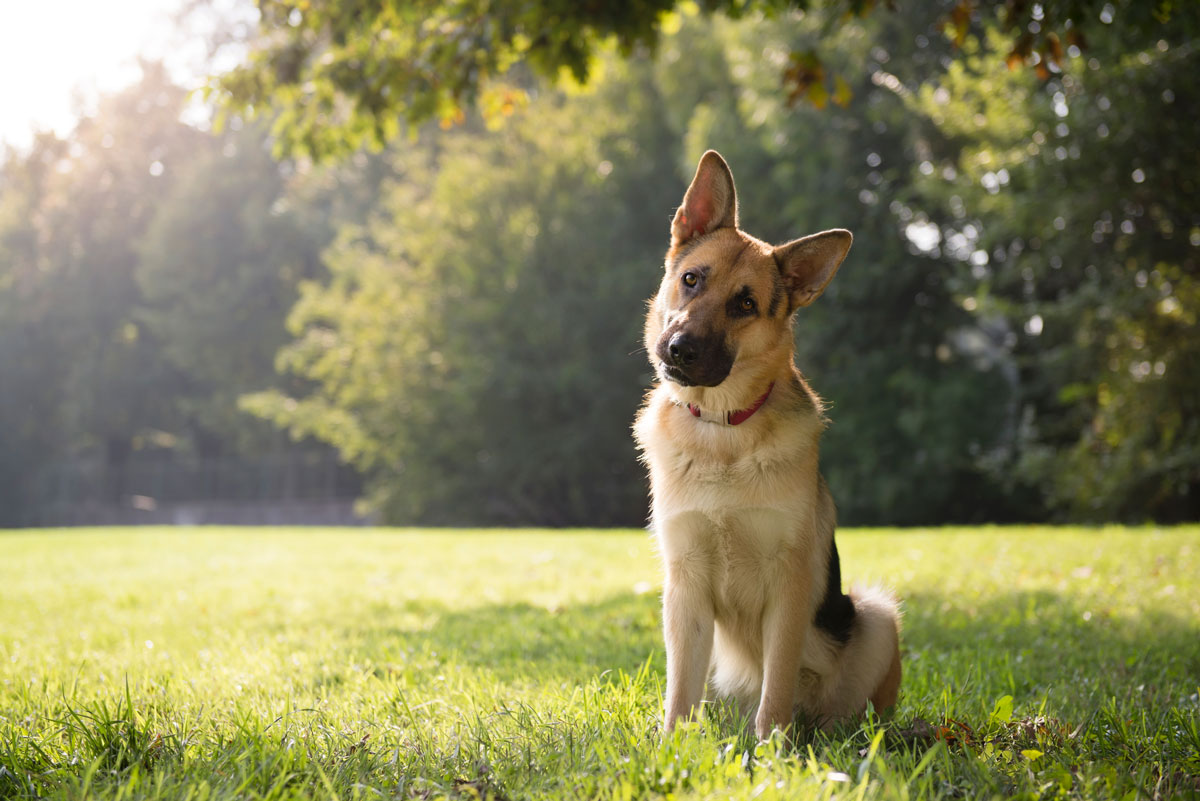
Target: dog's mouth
677,375
672,373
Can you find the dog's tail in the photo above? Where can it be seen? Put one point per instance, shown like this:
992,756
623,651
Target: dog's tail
870,662
879,610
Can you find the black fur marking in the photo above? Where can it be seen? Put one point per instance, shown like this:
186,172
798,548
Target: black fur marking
734,307
836,613
683,251
776,297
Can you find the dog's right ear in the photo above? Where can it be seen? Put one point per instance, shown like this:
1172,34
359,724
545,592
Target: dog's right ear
808,265
710,202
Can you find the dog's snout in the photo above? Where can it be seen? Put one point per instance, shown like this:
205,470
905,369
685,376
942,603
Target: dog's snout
683,349
693,359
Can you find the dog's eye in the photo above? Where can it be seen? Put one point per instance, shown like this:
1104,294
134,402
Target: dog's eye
690,279
747,305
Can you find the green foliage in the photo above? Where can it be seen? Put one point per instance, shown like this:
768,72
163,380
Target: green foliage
466,349
477,351
217,269
1073,217
337,76
289,664
346,75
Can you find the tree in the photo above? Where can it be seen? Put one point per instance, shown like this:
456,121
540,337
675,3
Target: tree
472,350
80,356
466,351
146,268
29,367
341,75
1071,209
217,271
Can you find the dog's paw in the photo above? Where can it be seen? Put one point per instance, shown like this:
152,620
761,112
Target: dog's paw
765,726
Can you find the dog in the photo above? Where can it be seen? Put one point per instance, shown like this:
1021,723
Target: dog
752,598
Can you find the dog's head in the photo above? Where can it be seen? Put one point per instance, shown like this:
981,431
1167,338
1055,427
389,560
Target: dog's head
726,301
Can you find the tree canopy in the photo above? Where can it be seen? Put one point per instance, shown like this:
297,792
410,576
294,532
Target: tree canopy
339,75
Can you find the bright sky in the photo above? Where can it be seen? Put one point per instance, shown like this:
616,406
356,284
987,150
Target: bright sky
58,54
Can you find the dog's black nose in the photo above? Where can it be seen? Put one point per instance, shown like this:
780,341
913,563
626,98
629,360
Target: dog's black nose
683,349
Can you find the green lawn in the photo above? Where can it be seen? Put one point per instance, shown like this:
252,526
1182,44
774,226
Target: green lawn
251,663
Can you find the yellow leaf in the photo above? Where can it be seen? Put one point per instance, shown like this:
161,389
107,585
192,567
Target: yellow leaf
818,95
841,91
670,23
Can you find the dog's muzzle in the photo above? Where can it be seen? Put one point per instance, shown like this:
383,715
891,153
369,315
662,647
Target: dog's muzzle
692,360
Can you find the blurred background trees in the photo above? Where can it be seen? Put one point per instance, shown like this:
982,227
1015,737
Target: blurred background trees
456,311
146,268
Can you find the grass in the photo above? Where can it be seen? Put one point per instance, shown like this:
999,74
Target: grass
201,664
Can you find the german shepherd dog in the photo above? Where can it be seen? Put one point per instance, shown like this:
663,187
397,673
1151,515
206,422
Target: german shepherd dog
752,601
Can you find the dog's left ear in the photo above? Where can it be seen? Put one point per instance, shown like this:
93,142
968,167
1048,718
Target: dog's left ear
710,202
809,264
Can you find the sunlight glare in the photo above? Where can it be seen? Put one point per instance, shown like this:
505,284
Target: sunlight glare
55,58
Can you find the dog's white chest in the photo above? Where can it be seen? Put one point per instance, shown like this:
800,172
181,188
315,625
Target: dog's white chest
745,536
733,520
720,490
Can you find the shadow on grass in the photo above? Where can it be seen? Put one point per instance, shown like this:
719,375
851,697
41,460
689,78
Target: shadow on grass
521,642
1026,644
1035,644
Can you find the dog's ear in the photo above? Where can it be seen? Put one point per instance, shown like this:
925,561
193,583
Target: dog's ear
710,202
809,264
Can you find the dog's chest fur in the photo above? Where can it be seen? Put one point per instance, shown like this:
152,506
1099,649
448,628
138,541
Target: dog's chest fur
729,502
768,462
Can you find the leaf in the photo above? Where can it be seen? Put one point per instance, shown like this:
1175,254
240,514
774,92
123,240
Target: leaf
842,93
1031,754
818,95
806,76
670,23
1054,49
959,22
1002,712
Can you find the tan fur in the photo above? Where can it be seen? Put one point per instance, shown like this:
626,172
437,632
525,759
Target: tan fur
888,691
743,519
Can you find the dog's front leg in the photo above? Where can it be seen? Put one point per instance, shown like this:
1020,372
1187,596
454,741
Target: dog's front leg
785,623
688,631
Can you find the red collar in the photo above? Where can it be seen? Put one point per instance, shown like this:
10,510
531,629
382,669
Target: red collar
732,418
